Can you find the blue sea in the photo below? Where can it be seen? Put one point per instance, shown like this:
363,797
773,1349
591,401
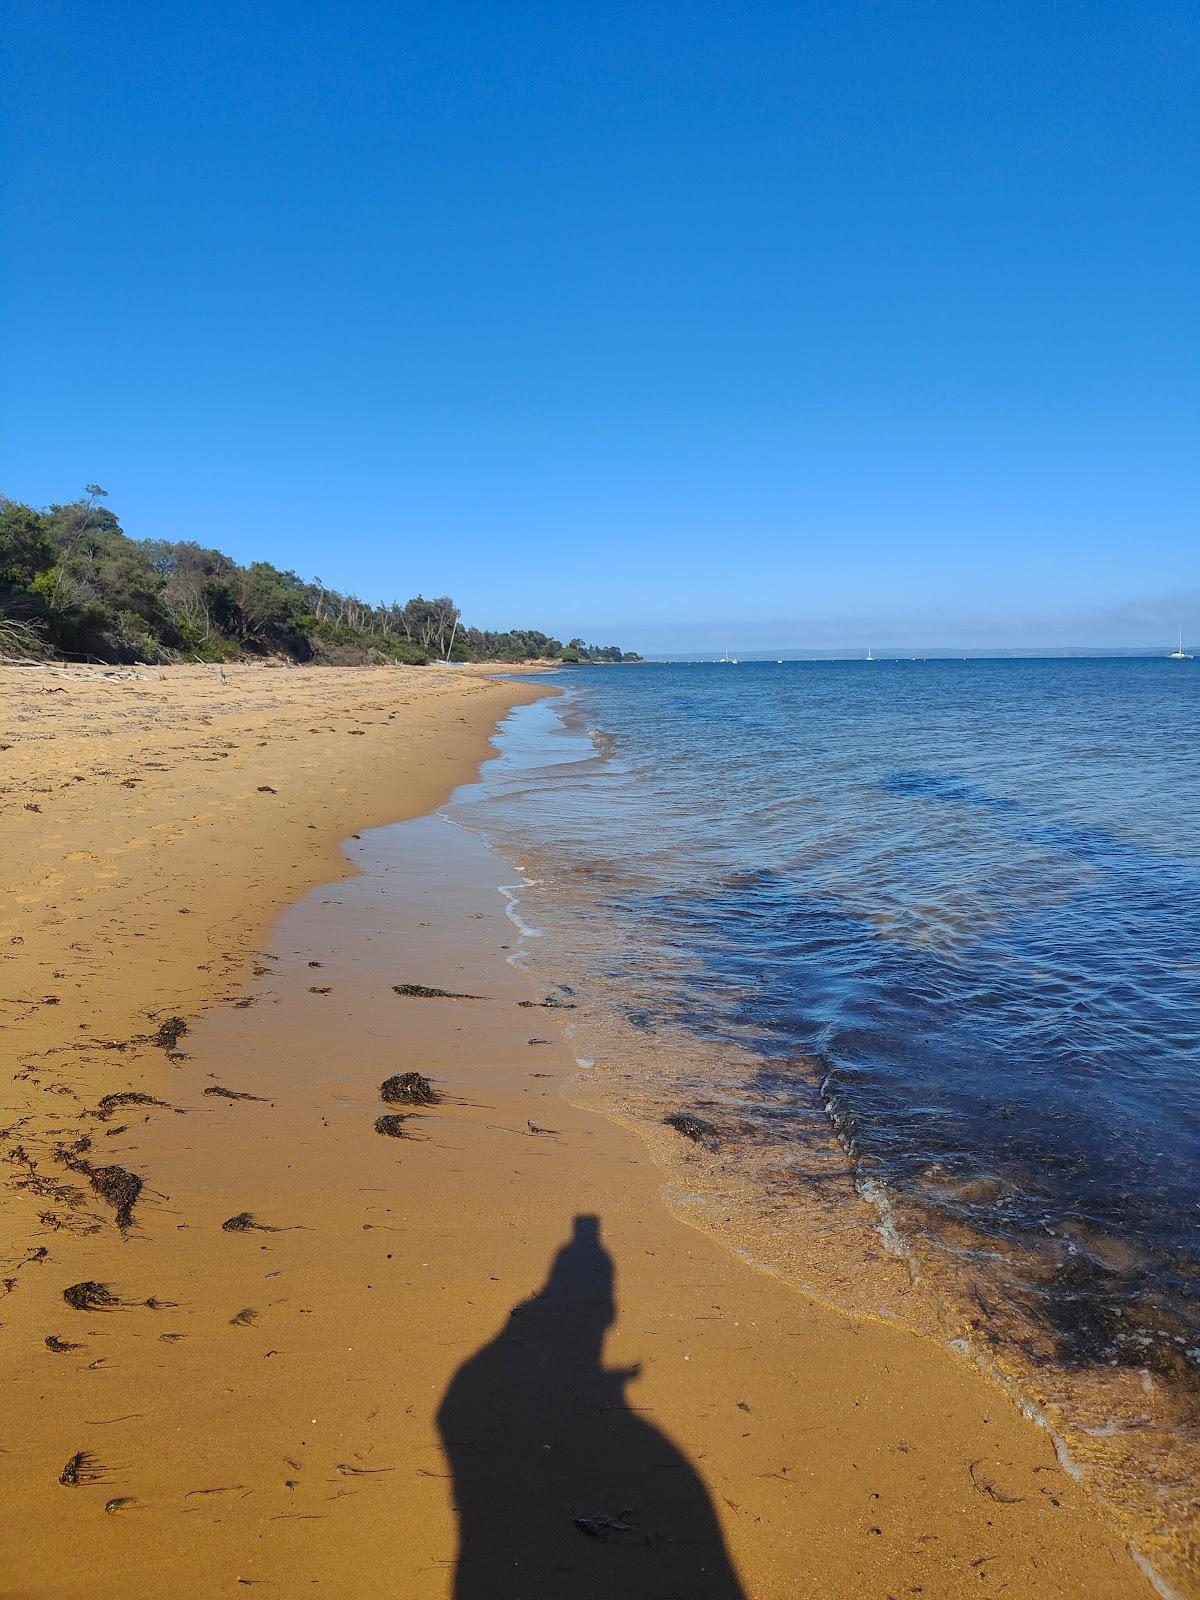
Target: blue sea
952,905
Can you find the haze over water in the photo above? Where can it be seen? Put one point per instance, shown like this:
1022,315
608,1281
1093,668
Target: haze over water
955,903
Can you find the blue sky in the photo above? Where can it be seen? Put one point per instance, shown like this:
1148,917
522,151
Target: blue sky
682,324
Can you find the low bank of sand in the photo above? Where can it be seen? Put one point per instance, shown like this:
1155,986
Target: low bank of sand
482,1359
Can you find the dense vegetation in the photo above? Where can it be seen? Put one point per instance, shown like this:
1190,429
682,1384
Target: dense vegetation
72,584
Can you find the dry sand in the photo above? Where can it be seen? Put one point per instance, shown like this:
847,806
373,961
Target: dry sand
488,1329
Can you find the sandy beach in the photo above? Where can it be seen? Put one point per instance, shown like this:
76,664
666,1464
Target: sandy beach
470,1354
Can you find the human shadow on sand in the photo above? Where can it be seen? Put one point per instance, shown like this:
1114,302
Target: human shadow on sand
562,1491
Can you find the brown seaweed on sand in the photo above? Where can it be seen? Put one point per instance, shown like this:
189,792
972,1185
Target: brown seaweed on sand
420,991
81,1468
694,1128
987,1487
552,1002
392,1125
90,1296
245,1318
169,1033
114,1184
245,1221
408,1089
64,1194
600,1526
233,1094
127,1097
53,1342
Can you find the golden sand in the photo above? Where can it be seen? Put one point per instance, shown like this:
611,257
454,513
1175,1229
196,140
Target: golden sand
480,1360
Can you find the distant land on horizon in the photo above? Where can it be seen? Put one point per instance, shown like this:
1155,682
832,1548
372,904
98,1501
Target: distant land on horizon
920,653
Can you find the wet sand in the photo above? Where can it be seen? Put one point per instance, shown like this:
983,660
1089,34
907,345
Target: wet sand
483,1359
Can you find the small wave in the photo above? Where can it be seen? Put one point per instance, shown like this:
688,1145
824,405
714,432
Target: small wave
512,894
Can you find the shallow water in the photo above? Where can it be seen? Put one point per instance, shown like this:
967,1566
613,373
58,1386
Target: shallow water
952,906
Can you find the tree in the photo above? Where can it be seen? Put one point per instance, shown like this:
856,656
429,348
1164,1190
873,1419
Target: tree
72,575
26,549
77,519
432,624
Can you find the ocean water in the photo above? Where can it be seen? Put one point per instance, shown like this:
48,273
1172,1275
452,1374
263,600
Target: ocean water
942,917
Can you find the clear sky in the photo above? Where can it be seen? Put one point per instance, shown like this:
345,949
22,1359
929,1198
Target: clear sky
680,324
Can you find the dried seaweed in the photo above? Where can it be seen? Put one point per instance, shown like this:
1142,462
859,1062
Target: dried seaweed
127,1097
245,1221
116,1185
392,1125
90,1296
421,991
408,1089
81,1468
169,1033
233,1094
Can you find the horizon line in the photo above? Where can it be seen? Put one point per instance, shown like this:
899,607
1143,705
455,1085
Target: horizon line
905,652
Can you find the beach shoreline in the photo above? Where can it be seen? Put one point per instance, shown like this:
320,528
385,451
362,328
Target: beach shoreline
171,813
822,1453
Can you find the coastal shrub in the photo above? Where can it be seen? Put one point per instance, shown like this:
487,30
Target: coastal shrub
74,585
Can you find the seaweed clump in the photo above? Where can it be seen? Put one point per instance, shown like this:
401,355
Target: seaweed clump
127,1097
246,1222
408,1089
421,991
81,1468
392,1125
90,1296
169,1033
694,1128
118,1186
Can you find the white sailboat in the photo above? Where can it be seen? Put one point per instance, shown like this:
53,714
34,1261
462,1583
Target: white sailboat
1180,654
870,655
